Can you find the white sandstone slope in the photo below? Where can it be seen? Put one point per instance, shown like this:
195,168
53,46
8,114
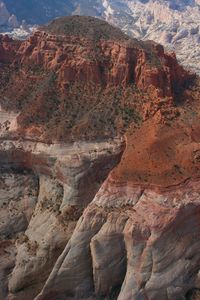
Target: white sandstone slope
43,193
127,250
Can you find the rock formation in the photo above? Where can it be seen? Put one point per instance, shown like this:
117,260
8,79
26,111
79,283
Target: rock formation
4,14
100,151
62,58
6,19
175,24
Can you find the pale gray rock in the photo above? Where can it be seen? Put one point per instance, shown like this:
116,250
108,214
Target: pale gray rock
149,20
43,192
147,249
18,198
69,177
13,22
4,14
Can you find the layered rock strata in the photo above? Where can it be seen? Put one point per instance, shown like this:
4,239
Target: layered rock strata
109,207
139,237
73,67
140,244
63,172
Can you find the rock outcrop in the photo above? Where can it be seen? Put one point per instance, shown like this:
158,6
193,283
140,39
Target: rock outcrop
68,61
101,156
8,48
7,19
111,59
138,238
4,14
175,24
41,233
131,243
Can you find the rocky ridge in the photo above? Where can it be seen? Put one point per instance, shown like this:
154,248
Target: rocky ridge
138,236
66,66
175,24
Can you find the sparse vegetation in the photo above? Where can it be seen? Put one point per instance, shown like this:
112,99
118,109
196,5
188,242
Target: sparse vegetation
60,100
88,27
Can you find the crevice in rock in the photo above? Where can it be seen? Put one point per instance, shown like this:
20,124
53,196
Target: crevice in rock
193,294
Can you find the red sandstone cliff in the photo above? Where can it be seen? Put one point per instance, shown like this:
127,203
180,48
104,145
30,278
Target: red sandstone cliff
44,72
8,49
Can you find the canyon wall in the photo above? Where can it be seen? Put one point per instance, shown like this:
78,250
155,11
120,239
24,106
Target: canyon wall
109,207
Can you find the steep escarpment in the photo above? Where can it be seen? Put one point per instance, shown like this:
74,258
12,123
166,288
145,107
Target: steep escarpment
102,156
53,204
86,67
139,236
174,24
135,245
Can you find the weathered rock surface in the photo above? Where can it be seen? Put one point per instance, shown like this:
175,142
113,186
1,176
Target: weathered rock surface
111,60
73,67
64,173
139,237
128,151
8,48
175,24
18,197
138,244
